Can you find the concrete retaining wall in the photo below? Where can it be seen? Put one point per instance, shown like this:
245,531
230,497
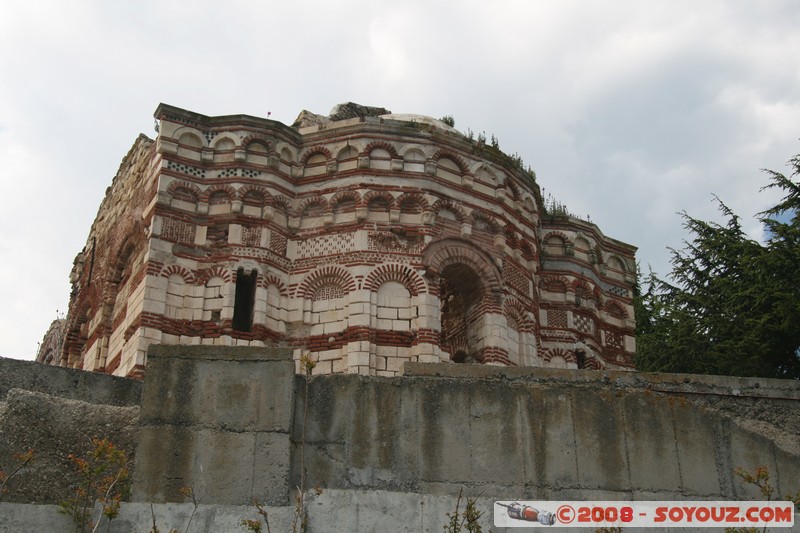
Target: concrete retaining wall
550,434
69,383
393,453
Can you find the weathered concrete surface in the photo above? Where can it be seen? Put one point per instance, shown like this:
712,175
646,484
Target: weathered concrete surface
55,427
545,434
333,511
57,411
219,420
70,383
393,453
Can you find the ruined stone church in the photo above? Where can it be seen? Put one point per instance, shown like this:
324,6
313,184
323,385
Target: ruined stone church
363,238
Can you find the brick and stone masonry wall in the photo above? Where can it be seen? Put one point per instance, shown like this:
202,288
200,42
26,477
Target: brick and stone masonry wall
370,242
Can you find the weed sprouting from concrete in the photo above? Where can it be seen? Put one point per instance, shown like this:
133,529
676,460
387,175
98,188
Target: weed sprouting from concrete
255,525
103,475
22,460
468,520
189,493
300,520
760,478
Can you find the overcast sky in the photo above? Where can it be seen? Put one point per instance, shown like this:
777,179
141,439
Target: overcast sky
629,111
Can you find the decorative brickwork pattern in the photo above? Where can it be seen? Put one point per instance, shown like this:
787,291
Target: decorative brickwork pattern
394,272
317,150
381,145
614,340
328,292
452,156
186,169
554,284
615,310
584,324
557,318
277,243
445,204
251,236
326,245
177,231
185,191
516,278
568,356
388,241
173,270
329,275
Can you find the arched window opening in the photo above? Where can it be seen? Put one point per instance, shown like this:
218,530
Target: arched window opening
460,291
244,300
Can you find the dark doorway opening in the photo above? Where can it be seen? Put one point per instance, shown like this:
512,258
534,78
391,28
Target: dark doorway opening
245,300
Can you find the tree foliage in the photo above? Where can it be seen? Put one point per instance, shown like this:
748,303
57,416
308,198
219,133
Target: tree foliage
732,304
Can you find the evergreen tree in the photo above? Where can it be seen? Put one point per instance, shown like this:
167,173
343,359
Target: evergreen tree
732,305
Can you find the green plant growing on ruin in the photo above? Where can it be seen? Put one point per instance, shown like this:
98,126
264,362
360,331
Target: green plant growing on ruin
22,460
104,476
300,520
760,478
255,525
449,120
466,521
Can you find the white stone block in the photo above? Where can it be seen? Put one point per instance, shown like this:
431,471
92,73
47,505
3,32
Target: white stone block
200,234
357,359
386,351
328,355
407,313
395,364
331,316
357,308
339,366
359,320
401,325
382,323
150,306
333,327
174,301
360,296
321,368
156,282
387,312
170,339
